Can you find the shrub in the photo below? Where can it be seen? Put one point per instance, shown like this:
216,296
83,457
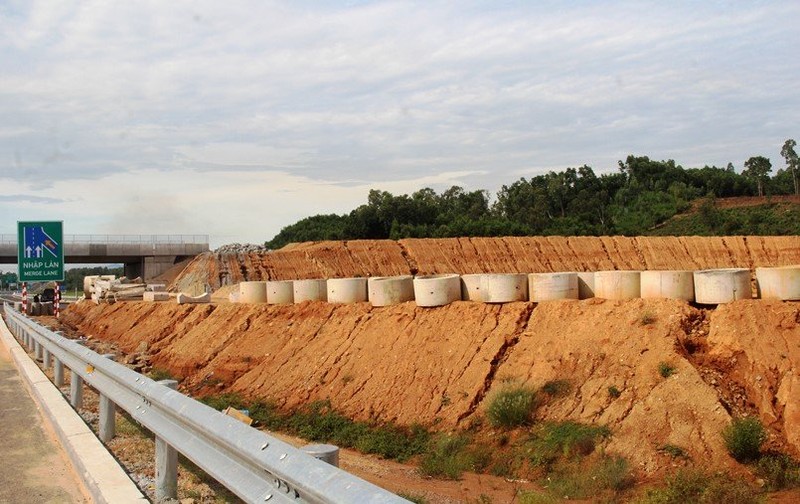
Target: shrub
564,439
665,369
581,482
698,487
512,407
614,392
744,437
447,459
158,374
779,471
556,388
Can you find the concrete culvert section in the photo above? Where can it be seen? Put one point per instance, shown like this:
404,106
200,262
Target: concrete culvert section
437,290
585,284
504,287
617,284
779,283
717,286
674,284
552,286
252,292
279,292
310,290
471,287
386,291
187,299
347,290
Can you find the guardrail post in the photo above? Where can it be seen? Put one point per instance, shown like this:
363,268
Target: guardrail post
46,358
58,372
76,386
39,349
166,462
324,452
107,411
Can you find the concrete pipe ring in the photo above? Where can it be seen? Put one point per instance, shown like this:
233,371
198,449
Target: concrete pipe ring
585,284
782,282
347,290
253,292
280,292
386,291
315,289
673,284
187,299
617,284
552,286
504,287
722,285
471,287
437,290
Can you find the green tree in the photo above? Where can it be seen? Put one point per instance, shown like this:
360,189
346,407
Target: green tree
757,168
792,164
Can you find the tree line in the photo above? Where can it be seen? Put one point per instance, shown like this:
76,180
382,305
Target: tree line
575,201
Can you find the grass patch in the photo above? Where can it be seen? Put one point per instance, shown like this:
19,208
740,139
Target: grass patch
127,426
554,441
779,471
415,498
448,458
647,317
536,498
158,374
692,485
665,369
674,451
743,438
614,392
512,407
577,481
557,388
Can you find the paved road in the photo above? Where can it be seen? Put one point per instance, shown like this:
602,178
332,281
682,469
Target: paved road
34,468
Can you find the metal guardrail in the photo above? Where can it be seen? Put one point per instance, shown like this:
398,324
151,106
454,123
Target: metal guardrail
253,465
121,239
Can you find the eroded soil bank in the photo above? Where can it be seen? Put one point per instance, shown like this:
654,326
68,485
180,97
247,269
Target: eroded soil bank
439,366
532,254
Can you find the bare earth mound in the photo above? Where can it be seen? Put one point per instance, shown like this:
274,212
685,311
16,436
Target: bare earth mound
486,255
439,366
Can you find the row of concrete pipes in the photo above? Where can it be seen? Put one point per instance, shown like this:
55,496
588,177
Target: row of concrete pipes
705,287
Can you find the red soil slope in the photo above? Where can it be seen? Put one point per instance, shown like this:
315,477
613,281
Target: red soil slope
440,366
479,255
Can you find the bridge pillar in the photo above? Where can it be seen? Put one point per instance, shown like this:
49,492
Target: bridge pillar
150,266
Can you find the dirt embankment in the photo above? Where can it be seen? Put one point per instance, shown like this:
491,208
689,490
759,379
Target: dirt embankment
440,366
486,255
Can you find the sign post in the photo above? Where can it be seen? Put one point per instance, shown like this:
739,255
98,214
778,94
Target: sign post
40,251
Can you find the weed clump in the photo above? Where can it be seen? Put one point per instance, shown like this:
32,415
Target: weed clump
557,388
665,369
614,392
647,317
779,471
673,451
691,485
512,407
564,440
743,438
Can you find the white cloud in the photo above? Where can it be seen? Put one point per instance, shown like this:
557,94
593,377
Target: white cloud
211,95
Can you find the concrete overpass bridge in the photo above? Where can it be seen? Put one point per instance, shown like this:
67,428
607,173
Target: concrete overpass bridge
142,255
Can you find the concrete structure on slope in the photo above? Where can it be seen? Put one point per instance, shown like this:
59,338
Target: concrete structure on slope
143,256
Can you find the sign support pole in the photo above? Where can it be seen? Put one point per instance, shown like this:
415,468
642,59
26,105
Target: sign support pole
57,300
25,298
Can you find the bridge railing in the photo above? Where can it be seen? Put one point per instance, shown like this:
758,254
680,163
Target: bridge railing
252,464
122,239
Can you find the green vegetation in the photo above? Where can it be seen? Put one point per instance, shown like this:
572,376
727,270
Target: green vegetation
512,407
158,374
647,317
582,482
674,451
743,438
451,455
557,388
416,499
779,471
641,195
776,219
554,441
665,369
614,392
702,488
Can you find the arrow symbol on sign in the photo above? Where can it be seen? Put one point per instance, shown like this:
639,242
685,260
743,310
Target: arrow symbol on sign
38,251
28,251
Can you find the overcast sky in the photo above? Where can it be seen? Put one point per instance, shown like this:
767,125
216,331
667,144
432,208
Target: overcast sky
235,119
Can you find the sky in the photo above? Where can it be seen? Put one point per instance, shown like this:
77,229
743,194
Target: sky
236,118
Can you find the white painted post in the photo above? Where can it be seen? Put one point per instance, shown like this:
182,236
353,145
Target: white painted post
324,452
166,462
76,387
46,358
39,350
108,409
